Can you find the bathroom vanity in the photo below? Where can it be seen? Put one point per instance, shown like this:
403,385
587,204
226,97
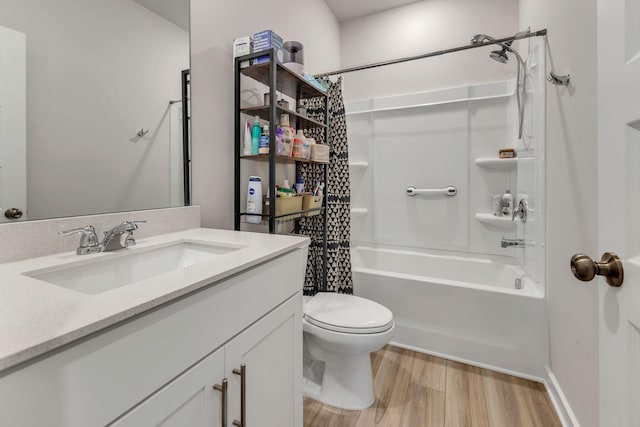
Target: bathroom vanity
215,338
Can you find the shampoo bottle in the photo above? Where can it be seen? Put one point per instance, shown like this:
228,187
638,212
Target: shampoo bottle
254,200
264,140
256,130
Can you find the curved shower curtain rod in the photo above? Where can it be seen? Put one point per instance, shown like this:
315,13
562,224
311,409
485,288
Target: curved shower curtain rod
518,36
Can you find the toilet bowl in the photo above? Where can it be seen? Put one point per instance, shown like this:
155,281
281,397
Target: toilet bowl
339,333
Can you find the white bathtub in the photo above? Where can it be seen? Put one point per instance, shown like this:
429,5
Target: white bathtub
460,307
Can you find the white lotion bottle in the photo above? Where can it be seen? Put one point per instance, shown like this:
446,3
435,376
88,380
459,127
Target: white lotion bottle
247,139
507,203
254,200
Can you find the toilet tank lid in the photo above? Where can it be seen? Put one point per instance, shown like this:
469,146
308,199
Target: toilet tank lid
347,311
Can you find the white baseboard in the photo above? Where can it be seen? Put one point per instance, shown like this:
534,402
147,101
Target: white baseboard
513,373
563,409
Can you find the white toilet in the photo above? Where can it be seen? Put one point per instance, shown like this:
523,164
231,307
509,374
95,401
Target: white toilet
339,333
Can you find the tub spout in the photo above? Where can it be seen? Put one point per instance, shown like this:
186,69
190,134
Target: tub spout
518,243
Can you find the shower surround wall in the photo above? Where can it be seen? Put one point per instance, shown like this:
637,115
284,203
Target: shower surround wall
426,26
432,140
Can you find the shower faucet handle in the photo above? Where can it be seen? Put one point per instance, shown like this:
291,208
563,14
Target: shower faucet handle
521,211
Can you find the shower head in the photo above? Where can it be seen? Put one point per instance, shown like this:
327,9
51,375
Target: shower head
502,57
499,55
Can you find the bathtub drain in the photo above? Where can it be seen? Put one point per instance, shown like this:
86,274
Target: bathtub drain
518,283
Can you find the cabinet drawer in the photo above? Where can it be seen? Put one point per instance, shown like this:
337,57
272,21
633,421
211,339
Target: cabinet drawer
95,381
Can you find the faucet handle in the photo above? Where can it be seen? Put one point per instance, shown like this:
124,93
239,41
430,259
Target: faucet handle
86,231
132,225
129,240
88,240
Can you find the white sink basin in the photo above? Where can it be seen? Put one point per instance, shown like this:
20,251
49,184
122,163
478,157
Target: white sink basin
105,273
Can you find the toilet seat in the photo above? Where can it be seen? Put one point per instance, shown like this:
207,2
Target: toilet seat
347,314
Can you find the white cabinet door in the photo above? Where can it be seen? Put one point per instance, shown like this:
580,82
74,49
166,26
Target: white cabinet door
188,401
271,351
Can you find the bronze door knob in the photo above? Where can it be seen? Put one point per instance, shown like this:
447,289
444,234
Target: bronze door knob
610,266
13,213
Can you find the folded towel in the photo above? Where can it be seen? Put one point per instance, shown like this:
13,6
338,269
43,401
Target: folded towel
315,83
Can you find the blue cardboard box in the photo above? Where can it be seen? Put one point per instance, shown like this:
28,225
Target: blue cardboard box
265,40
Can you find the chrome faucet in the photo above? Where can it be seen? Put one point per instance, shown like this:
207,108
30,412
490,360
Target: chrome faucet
518,243
112,240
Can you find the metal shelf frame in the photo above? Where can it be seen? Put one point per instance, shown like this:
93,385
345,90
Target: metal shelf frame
277,77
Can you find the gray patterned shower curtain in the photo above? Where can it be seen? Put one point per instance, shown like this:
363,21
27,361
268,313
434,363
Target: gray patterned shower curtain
338,199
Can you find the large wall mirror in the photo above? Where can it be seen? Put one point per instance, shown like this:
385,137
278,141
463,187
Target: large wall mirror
91,106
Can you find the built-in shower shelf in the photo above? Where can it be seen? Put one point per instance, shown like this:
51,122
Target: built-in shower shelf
496,163
359,165
497,221
359,211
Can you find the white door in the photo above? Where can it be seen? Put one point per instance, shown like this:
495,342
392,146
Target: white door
13,133
619,208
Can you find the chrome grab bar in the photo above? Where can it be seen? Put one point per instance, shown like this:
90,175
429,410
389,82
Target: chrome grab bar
447,191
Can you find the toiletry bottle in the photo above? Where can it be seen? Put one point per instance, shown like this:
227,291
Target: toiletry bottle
287,135
300,185
298,144
256,130
246,151
264,140
254,200
496,204
279,146
507,203
306,147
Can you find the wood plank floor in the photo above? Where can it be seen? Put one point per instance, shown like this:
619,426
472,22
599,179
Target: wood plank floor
417,390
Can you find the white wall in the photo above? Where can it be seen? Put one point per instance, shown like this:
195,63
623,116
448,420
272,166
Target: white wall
97,72
212,33
571,205
419,28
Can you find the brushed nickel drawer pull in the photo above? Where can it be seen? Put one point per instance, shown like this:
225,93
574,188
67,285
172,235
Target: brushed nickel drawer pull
223,389
243,395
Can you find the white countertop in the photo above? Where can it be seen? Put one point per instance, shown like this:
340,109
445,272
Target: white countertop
37,317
